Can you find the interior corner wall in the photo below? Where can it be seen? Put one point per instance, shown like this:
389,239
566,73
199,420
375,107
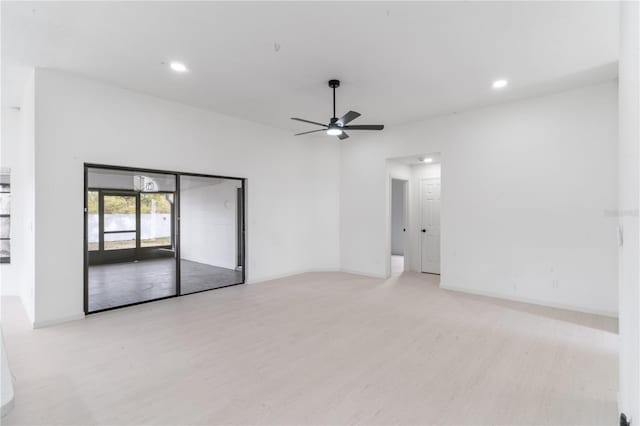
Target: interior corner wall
527,192
10,147
80,120
18,148
629,203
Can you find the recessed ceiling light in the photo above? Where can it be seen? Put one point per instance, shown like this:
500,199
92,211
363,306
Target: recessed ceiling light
178,67
334,131
427,160
499,84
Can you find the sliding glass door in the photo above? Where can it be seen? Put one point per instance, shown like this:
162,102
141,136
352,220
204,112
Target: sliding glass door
151,235
131,250
211,233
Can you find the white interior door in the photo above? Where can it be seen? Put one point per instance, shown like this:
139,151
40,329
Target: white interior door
430,225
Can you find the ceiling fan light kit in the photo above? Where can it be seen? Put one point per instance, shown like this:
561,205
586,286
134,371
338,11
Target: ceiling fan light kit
337,126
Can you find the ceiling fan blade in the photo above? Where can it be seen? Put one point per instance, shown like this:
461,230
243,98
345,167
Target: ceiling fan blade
310,122
343,135
365,127
347,118
312,131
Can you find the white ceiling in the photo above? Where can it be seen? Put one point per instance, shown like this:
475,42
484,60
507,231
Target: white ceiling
398,62
416,160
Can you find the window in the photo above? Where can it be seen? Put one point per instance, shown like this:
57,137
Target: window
119,222
5,216
156,219
93,221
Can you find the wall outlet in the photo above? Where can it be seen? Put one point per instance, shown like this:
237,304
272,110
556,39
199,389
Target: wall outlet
554,284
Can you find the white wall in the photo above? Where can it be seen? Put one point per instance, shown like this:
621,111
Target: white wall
23,194
523,169
9,156
208,222
526,190
629,187
17,154
81,121
323,251
398,216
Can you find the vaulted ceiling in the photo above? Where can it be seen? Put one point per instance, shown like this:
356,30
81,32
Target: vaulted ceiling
266,62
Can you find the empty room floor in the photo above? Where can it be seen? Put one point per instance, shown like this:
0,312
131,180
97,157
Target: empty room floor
321,348
120,284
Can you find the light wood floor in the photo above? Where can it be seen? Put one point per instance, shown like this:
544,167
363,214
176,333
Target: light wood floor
321,348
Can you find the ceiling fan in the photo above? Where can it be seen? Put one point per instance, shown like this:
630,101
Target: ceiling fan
337,126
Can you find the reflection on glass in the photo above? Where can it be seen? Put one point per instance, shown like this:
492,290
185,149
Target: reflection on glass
132,214
5,203
4,227
120,240
5,250
93,221
119,213
210,224
156,216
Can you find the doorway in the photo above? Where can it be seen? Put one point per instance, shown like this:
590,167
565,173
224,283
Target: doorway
413,214
152,234
398,225
430,189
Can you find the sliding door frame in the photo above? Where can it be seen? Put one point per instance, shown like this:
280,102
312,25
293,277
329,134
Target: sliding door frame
175,225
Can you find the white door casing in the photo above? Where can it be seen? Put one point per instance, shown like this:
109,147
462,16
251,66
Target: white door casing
430,225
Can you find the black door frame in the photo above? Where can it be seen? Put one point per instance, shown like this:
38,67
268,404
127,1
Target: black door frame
175,227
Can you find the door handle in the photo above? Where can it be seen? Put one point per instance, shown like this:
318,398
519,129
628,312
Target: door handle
424,230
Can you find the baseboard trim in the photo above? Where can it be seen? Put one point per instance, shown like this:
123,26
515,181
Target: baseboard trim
324,270
529,301
48,323
443,285
291,274
275,277
364,274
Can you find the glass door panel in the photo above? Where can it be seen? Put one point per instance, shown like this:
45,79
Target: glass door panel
156,220
210,233
93,220
131,246
139,250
